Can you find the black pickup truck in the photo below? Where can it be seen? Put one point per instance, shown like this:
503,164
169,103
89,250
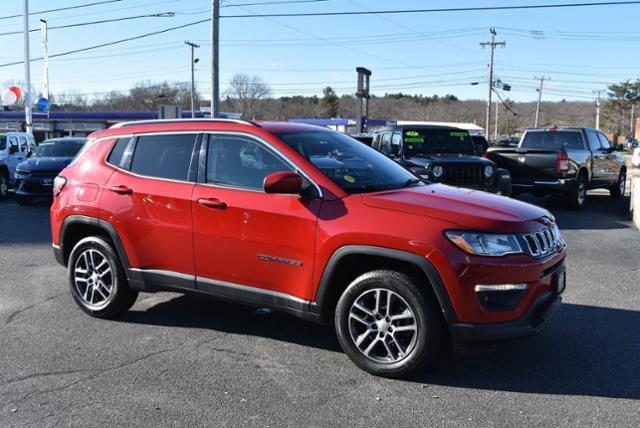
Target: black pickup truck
442,154
565,160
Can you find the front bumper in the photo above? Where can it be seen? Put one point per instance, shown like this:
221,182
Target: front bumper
534,320
35,187
58,254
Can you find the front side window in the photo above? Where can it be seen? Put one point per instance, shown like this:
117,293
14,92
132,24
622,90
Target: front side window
23,144
59,148
353,166
604,141
239,161
434,141
163,156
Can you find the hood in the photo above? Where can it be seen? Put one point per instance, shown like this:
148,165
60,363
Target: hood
45,163
468,209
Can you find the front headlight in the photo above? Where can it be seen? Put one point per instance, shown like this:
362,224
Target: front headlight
488,171
485,244
21,171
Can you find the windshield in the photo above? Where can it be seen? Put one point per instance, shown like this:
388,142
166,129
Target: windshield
353,166
552,140
59,148
425,141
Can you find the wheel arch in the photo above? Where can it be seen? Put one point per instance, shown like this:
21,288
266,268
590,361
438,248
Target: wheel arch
76,227
349,262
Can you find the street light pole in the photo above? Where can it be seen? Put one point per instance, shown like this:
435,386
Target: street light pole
27,71
193,84
215,59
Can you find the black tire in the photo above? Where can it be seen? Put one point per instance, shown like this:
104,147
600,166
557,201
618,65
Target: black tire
120,298
421,351
24,200
577,198
4,186
618,190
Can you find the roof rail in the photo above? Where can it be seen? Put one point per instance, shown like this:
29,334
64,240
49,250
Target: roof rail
169,121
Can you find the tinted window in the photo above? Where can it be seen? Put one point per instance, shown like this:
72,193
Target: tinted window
424,141
240,162
163,156
117,153
3,142
604,141
592,137
354,167
552,140
59,148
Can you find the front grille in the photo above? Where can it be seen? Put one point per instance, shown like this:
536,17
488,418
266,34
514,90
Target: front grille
461,174
543,242
45,173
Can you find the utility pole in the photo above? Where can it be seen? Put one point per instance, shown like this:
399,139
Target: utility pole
598,109
492,44
495,137
28,116
193,77
215,58
632,122
542,79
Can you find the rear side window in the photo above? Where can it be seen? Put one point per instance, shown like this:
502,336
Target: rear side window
163,156
552,140
116,156
592,137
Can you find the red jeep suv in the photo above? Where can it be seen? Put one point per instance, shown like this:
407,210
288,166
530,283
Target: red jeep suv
308,221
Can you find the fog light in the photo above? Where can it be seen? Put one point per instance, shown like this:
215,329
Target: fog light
501,287
500,297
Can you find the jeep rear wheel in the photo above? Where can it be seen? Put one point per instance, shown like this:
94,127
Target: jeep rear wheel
97,280
4,186
387,324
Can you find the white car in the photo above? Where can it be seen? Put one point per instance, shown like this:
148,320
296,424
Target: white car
15,147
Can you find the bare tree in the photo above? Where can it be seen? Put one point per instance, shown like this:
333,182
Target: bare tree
247,92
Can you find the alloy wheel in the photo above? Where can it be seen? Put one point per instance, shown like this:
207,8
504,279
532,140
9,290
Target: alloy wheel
622,184
383,326
582,192
93,279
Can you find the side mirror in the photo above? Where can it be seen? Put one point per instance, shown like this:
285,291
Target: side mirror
395,150
480,149
29,154
284,182
618,147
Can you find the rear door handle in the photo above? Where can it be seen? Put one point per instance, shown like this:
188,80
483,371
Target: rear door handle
214,203
121,190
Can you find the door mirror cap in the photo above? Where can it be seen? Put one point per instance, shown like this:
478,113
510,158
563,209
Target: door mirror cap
284,182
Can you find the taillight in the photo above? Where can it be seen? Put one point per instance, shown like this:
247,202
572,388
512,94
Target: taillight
58,185
563,162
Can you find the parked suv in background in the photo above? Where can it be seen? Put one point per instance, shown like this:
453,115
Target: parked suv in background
14,148
34,176
308,221
564,160
442,154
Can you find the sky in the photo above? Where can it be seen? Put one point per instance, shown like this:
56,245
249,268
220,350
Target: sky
579,50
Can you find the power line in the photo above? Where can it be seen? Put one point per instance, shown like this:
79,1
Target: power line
40,12
103,21
128,39
437,10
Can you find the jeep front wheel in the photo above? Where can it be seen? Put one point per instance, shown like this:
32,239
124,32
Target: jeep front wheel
97,280
387,324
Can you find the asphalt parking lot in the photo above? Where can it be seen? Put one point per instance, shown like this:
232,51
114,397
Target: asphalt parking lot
179,360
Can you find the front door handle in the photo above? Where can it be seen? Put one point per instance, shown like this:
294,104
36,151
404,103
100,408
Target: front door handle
121,190
214,203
